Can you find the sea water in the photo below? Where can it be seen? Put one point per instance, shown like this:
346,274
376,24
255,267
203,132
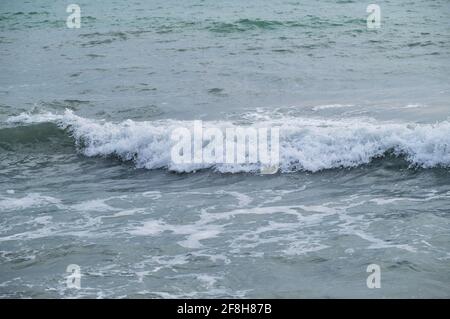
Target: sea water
86,176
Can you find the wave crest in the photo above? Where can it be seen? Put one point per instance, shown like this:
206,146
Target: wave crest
305,144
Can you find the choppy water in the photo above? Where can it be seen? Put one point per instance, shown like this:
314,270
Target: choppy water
85,171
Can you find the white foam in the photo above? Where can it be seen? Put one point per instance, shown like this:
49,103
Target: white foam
28,201
193,233
413,106
243,199
305,144
330,106
96,205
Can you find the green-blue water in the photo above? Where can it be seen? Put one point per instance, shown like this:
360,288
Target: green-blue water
365,149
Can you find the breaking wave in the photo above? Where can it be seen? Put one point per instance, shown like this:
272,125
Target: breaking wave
305,144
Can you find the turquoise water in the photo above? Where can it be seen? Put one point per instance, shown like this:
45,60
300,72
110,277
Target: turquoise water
85,172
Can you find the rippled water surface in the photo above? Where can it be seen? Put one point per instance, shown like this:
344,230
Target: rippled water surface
85,171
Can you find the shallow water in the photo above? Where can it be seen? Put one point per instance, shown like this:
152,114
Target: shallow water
85,172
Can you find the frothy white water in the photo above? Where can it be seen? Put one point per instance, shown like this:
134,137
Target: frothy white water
331,106
29,201
305,144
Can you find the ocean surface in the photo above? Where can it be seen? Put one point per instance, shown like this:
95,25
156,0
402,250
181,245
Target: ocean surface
86,176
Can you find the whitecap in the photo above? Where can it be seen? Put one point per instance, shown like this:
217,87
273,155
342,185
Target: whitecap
306,144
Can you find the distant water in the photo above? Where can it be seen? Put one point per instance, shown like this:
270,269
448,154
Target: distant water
85,171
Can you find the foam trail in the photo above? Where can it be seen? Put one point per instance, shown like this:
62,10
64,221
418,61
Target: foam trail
305,144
